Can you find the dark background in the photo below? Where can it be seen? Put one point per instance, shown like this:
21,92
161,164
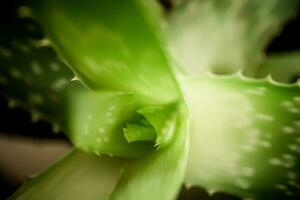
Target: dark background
17,122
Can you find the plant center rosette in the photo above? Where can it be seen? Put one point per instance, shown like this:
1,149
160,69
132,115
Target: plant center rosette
161,128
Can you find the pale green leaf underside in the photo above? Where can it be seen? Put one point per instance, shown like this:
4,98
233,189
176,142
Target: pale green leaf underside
111,45
245,137
224,36
284,67
77,176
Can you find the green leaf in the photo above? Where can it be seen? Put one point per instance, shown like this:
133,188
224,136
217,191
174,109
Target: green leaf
111,45
245,136
119,124
163,120
97,119
31,74
134,133
225,36
77,176
284,67
160,174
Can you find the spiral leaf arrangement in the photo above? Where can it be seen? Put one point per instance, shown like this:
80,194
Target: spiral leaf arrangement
147,114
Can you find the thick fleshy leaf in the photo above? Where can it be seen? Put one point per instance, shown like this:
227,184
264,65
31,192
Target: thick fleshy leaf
245,137
31,74
135,133
119,124
163,120
77,176
225,36
282,67
111,45
159,175
97,119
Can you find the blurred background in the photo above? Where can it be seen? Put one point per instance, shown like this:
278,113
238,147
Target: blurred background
26,147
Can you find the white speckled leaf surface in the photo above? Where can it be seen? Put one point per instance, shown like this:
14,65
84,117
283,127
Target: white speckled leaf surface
245,136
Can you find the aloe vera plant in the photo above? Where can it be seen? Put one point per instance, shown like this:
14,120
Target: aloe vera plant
153,101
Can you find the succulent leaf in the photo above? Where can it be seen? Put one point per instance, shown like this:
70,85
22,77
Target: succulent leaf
245,136
163,120
113,120
109,43
283,67
77,176
31,74
160,174
135,133
224,36
97,120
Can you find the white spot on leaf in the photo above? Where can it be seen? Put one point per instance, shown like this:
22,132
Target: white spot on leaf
294,148
248,171
54,66
36,68
101,130
292,175
43,42
35,98
265,117
59,84
287,104
281,187
265,144
243,183
24,12
275,161
288,129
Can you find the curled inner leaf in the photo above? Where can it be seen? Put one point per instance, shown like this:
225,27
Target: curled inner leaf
120,124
